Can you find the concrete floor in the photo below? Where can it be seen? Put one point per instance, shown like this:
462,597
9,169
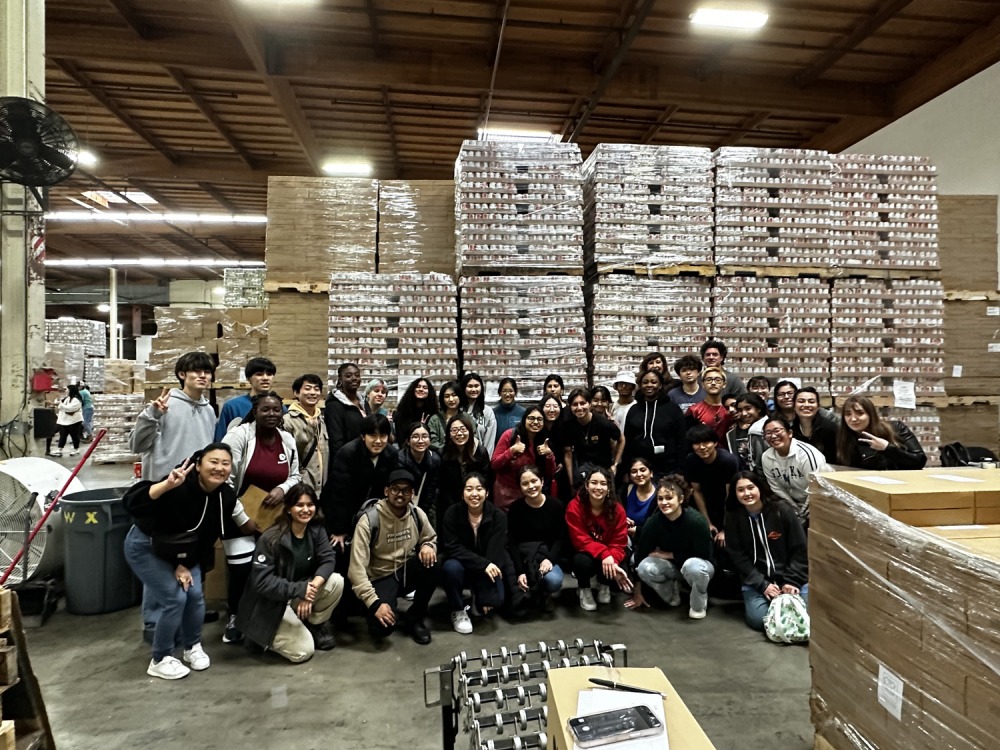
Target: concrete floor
744,691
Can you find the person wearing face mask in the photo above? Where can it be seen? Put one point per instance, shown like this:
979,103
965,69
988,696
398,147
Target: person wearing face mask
474,543
462,455
473,399
710,411
674,545
177,521
784,400
521,446
788,464
508,412
536,526
598,536
450,402
813,425
418,404
655,427
589,440
713,354
344,408
376,393
265,457
304,421
767,546
416,457
866,441
293,589
259,372
745,438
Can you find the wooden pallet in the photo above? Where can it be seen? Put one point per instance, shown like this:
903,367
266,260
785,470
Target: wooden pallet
865,272
26,722
973,400
880,401
309,287
770,270
967,296
642,269
518,271
215,386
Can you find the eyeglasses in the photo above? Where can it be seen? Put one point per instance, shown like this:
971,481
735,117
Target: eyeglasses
508,392
378,438
534,419
458,431
401,491
420,438
785,394
774,433
713,380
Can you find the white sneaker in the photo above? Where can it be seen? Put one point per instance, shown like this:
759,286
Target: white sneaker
74,452
603,594
461,622
697,614
197,658
56,453
587,599
675,597
167,669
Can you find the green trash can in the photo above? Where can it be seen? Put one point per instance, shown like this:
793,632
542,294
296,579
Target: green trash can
98,578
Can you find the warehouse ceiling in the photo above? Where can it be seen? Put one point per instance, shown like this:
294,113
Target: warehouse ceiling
197,102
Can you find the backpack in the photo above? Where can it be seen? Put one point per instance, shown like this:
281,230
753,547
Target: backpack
956,454
374,522
787,619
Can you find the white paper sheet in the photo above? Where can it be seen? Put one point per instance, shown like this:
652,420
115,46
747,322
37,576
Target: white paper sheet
875,479
905,394
954,478
595,701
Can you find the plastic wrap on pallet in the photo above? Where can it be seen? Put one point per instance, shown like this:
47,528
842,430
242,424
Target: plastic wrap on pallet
519,205
243,323
904,644
91,334
394,326
187,322
776,327
119,377
166,352
925,423
884,212
116,414
320,225
772,206
416,226
233,357
887,330
94,373
244,287
68,360
647,206
632,315
524,327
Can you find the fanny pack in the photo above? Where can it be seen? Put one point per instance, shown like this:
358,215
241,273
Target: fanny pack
181,547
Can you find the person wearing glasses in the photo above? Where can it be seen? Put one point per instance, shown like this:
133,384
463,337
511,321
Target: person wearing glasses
788,464
462,455
524,445
710,411
784,400
416,457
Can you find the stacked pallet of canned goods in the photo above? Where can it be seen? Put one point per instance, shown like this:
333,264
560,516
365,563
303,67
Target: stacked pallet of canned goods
116,414
428,327
244,287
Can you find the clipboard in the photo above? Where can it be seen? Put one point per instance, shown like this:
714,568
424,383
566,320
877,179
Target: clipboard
252,501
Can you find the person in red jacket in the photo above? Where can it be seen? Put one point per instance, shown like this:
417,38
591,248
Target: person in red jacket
521,446
598,534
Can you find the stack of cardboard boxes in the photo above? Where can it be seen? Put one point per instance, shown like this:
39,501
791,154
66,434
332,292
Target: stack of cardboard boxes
904,646
416,226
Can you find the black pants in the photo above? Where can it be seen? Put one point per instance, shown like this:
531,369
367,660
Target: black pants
586,567
73,431
413,576
239,576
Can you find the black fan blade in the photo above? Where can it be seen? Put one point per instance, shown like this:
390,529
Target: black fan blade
8,154
20,118
37,146
58,158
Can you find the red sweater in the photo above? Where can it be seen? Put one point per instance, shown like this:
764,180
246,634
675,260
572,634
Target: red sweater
597,536
507,466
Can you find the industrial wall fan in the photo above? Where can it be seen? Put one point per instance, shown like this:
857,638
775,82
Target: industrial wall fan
38,148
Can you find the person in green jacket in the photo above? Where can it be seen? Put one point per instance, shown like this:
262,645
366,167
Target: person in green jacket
674,544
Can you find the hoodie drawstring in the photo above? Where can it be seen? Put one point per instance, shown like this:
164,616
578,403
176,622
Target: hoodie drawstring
761,533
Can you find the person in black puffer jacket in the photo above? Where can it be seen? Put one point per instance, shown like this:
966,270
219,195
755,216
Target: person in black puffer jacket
293,588
415,455
866,441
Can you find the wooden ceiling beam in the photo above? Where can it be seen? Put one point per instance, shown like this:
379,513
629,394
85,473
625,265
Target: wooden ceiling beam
70,69
657,126
373,28
497,22
199,101
153,193
864,29
614,38
713,62
139,24
262,55
749,124
642,11
390,123
218,197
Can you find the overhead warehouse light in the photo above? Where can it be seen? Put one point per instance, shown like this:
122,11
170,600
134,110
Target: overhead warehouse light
347,168
86,158
181,262
153,216
104,307
739,17
517,134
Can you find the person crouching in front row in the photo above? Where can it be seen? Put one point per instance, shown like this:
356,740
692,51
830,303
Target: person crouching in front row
394,552
293,588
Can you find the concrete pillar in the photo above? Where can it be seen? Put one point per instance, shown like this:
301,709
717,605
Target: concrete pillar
22,232
113,351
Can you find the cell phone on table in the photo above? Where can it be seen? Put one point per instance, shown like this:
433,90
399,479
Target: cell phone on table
609,727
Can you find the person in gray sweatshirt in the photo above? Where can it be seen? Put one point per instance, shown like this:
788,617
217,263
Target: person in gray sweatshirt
177,423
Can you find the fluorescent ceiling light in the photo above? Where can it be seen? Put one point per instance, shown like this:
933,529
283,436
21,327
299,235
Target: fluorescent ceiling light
104,197
517,134
729,17
152,217
119,262
219,291
347,168
86,158
104,307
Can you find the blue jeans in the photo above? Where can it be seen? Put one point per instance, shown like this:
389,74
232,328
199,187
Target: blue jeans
456,577
755,605
88,420
552,581
181,611
663,576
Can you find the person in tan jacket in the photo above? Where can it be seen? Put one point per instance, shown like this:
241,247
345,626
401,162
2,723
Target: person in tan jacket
304,420
394,552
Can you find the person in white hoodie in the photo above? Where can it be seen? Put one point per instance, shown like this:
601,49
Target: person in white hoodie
788,465
264,456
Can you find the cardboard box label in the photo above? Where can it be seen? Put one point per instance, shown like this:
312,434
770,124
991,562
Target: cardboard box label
890,691
993,348
956,371
993,312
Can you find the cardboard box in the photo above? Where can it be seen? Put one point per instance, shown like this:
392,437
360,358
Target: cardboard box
967,241
215,585
683,731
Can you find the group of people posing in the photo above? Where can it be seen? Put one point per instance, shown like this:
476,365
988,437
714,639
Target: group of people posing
657,490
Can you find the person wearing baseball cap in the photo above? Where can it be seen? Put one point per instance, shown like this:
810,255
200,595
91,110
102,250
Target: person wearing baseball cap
625,385
394,552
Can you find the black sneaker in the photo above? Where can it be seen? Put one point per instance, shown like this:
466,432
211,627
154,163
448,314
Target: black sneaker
211,615
420,633
322,637
233,634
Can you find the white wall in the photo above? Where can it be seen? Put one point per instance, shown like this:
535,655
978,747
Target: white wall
193,293
958,131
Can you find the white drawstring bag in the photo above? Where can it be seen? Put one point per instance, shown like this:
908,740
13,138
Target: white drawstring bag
787,619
